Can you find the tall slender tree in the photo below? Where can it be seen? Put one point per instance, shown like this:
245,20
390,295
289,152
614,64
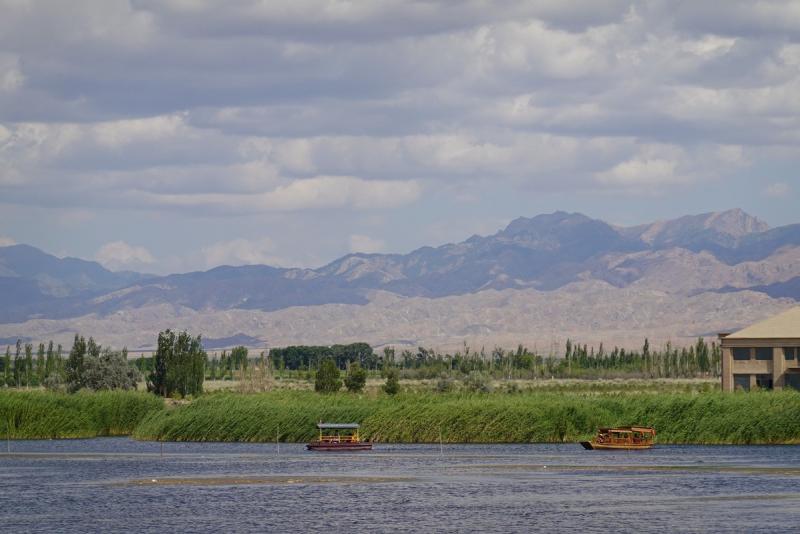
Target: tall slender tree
40,365
50,364
28,364
19,364
7,367
74,366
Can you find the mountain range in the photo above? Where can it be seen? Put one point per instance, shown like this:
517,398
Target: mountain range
728,261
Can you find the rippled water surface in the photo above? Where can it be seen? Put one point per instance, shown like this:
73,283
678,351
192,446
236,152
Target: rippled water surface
116,484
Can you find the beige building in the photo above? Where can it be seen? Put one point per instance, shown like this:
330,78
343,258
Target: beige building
764,355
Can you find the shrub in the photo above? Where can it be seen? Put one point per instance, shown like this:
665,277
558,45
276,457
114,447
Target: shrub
110,370
445,384
392,386
356,378
478,382
327,380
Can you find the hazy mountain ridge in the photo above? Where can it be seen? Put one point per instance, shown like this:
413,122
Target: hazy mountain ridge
60,277
726,251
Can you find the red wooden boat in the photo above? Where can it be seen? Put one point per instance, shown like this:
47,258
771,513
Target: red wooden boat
622,438
345,439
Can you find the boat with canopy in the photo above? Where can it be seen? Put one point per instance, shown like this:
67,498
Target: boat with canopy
339,437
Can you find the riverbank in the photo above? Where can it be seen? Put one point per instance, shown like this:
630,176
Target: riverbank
770,417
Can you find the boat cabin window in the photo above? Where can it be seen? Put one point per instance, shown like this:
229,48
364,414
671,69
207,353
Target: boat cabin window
741,354
789,353
764,353
741,382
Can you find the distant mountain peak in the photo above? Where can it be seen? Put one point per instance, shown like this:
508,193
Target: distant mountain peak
727,225
735,222
543,222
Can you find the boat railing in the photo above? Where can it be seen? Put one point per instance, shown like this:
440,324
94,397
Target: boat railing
339,439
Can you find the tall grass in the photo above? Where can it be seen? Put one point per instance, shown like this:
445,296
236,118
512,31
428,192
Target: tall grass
43,414
756,417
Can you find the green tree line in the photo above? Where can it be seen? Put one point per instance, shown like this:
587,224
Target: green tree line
578,361
180,364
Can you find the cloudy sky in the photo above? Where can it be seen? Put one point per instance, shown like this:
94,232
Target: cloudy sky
174,135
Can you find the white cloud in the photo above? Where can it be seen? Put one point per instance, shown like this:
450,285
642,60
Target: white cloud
114,134
311,193
777,190
641,173
366,244
241,251
6,241
11,77
119,255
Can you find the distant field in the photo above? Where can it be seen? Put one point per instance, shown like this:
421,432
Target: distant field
663,385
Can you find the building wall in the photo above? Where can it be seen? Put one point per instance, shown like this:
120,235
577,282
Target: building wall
776,367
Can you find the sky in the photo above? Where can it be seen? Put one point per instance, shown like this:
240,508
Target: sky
177,135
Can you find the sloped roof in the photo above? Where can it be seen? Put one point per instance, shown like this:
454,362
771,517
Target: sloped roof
783,325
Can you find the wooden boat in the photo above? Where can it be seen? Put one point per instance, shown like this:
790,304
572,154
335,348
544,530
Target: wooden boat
622,438
345,439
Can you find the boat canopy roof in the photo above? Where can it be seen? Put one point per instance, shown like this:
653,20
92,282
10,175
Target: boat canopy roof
337,426
623,429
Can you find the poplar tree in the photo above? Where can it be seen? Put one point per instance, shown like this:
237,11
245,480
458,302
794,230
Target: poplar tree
74,367
50,364
40,365
7,367
59,361
178,365
239,358
28,363
18,364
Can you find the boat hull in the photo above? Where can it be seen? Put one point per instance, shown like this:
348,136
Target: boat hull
339,447
594,446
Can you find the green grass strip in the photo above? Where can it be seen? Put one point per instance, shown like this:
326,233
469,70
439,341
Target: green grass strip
47,415
698,418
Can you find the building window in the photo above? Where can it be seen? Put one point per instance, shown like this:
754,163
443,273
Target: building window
764,353
741,382
741,354
789,353
764,381
792,380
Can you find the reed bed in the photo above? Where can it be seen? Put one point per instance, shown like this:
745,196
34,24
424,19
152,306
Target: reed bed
48,415
696,418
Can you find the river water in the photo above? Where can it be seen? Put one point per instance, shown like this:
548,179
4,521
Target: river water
117,484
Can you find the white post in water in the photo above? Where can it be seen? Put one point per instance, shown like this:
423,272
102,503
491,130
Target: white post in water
8,437
441,447
162,449
277,441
